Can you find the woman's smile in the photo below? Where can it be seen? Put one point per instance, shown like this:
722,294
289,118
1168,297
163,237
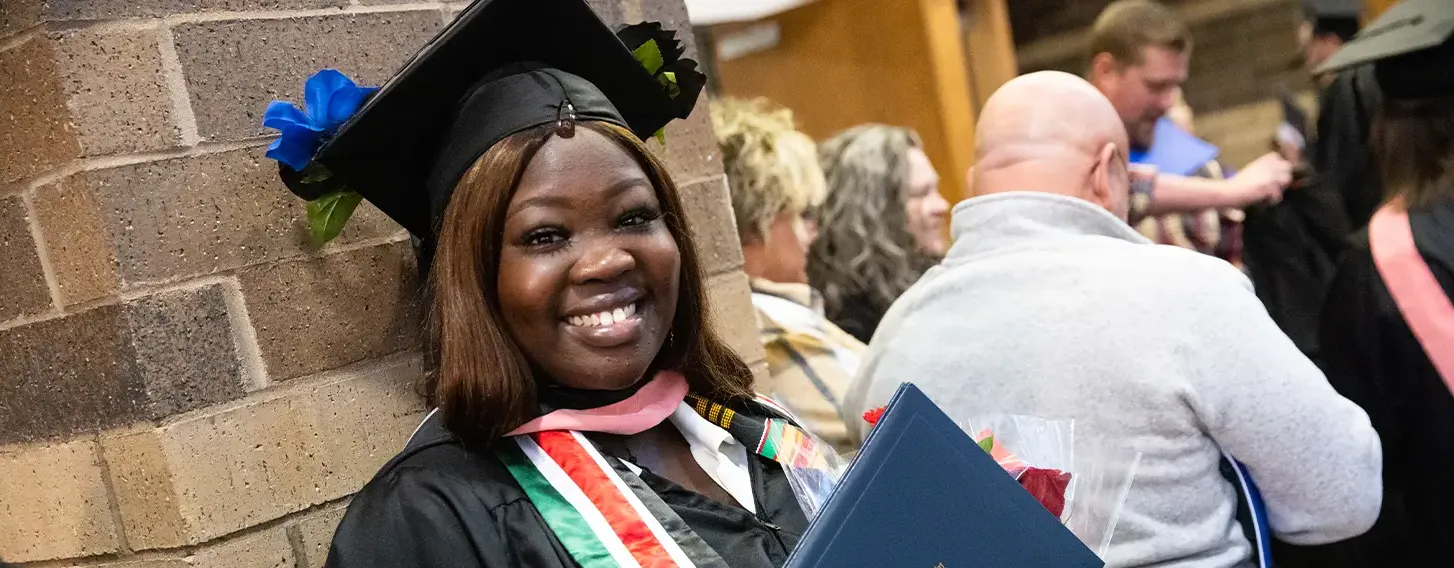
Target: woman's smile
606,321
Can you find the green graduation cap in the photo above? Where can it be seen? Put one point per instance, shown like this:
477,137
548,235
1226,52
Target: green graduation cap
1409,47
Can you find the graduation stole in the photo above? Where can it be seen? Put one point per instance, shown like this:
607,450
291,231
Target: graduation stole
601,511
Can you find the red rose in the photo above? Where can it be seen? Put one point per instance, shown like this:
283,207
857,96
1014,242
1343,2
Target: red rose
1047,486
872,416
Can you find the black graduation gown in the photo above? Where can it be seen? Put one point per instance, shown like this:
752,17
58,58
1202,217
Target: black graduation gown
1371,357
1291,248
442,503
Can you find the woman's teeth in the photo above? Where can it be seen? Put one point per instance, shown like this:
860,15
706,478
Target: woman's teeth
607,317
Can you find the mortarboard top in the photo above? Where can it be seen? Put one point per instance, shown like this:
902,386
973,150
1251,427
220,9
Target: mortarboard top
1336,17
1333,8
501,67
1409,47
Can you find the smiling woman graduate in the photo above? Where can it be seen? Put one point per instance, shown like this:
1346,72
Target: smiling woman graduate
585,412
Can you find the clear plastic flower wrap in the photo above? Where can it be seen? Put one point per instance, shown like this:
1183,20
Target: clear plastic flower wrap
1101,482
813,483
1082,478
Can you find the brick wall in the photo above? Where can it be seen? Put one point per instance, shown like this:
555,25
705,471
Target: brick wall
184,380
1246,54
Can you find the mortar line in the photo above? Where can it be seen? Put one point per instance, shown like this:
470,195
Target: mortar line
42,251
283,388
106,26
122,543
351,9
24,320
106,162
20,37
295,540
181,552
244,337
150,286
183,116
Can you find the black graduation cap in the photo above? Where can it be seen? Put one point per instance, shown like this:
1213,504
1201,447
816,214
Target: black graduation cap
1339,17
501,67
1333,8
1409,47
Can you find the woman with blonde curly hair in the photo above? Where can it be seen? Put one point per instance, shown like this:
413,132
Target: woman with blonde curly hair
774,176
882,222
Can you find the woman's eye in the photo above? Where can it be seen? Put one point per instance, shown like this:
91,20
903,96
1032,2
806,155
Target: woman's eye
543,237
639,217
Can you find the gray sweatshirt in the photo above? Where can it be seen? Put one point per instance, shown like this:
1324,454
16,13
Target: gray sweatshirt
1052,307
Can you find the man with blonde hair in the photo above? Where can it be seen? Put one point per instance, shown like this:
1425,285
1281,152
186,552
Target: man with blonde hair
1140,58
774,178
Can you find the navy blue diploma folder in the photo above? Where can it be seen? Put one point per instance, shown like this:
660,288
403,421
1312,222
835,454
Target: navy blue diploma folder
922,494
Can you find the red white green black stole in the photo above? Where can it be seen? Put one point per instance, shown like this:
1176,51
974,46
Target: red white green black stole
605,516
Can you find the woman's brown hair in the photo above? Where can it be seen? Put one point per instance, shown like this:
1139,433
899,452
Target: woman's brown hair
480,380
1413,141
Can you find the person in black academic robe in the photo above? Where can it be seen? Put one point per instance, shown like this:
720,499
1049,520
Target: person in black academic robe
1291,247
442,503
1369,350
568,319
1372,357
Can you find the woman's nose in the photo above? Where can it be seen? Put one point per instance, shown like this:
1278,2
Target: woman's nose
938,206
603,262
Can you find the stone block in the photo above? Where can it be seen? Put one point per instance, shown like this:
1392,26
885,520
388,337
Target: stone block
185,350
79,242
317,314
316,533
154,562
115,90
54,503
203,214
709,212
23,289
260,459
691,153
145,490
730,298
228,99
68,375
43,136
93,10
761,374
267,549
18,15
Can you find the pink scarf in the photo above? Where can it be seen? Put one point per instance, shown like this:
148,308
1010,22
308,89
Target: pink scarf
648,407
1415,290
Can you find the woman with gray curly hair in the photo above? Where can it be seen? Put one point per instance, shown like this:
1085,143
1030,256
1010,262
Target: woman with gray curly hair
880,227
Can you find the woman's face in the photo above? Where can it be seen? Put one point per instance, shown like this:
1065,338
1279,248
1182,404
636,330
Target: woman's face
588,268
925,207
782,256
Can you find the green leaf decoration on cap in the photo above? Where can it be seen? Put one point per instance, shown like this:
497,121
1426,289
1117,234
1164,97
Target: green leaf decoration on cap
669,80
649,54
662,55
328,214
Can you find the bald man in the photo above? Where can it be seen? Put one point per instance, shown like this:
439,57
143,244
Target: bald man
1048,304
